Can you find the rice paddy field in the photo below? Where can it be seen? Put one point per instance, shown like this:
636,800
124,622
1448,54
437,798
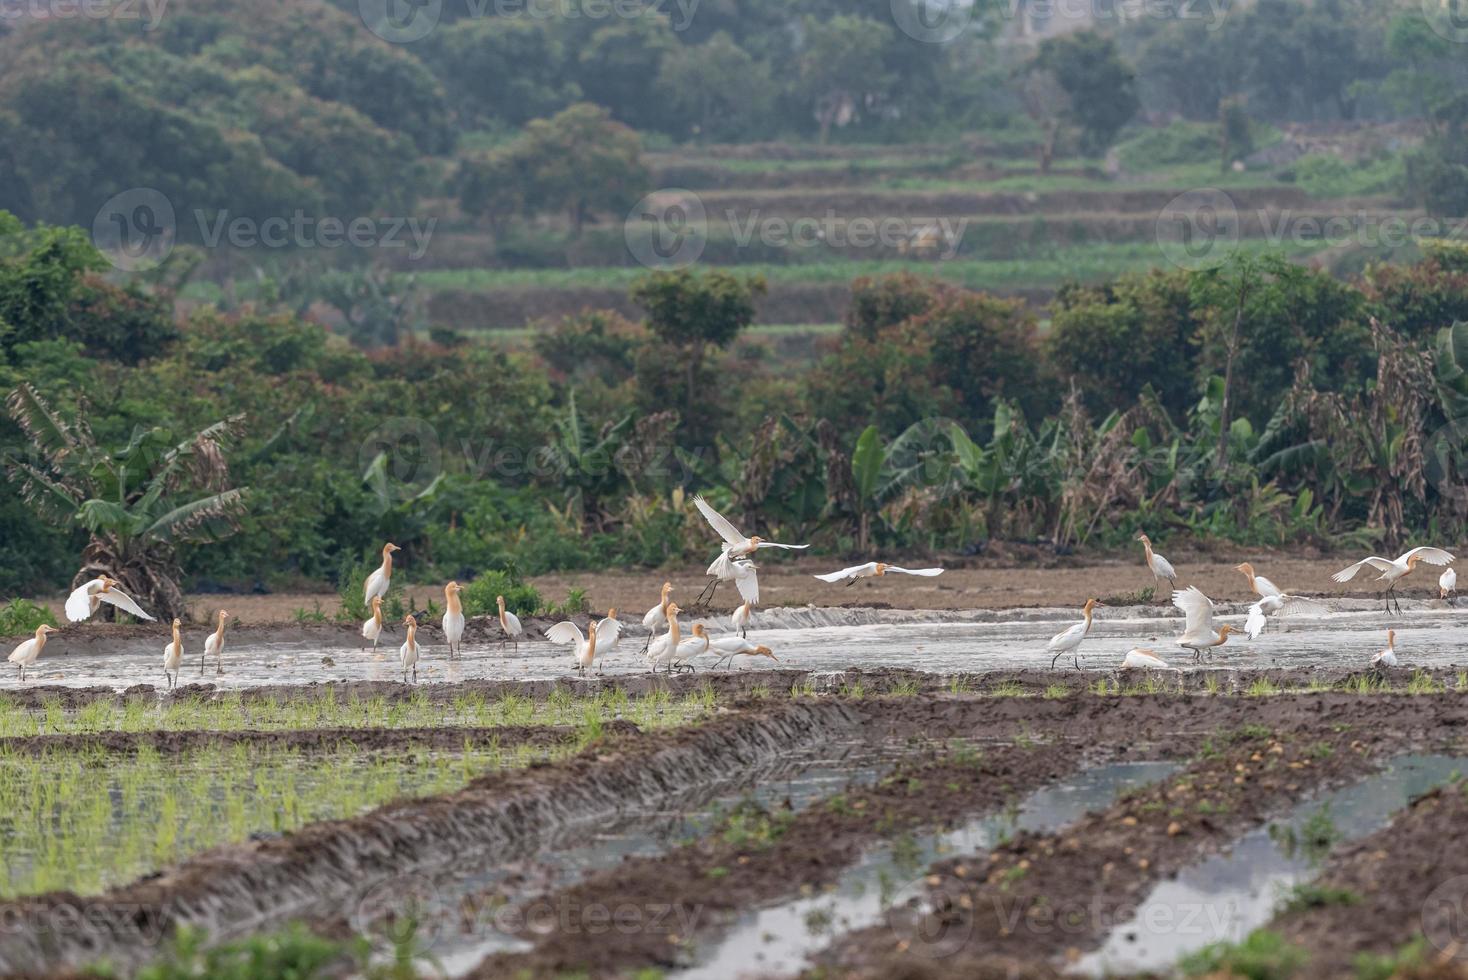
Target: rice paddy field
905,793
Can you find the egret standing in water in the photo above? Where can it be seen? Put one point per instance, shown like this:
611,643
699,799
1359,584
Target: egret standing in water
1394,569
657,617
173,656
662,650
377,583
85,599
1069,641
372,628
1387,657
1160,567
453,618
214,645
509,622
27,653
741,618
583,648
408,652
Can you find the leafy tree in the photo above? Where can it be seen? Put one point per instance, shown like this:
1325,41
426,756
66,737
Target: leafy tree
137,504
717,88
502,69
840,68
618,62
1100,87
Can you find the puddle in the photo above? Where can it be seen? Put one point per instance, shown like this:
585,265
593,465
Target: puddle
88,821
778,939
1229,895
479,926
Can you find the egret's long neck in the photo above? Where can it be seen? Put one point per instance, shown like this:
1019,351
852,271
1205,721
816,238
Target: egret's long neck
41,635
412,634
1088,619
221,626
386,563
455,605
590,643
673,631
377,613
503,624
175,634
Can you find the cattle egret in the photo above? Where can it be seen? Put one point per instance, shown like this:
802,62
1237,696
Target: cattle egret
729,647
510,623
874,569
453,618
27,653
1199,633
1387,657
736,545
662,649
84,600
742,616
1447,584
583,648
692,648
1160,567
173,656
377,583
1393,570
1139,658
657,617
1069,640
408,652
372,628
214,646
1274,602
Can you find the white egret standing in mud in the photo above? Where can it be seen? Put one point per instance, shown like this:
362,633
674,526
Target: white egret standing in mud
1387,657
85,599
1394,569
729,647
692,648
377,583
736,545
453,618
662,649
657,617
741,618
1274,602
608,633
874,569
583,648
372,628
1160,567
1199,633
510,623
408,652
1447,584
1069,640
214,646
1140,658
173,656
27,653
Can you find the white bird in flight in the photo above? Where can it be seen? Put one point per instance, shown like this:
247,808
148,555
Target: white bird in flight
729,647
1447,584
874,569
1387,657
372,628
377,583
736,543
1394,569
509,622
1160,567
214,646
173,656
453,618
1274,602
1199,633
1069,640
583,647
27,653
85,599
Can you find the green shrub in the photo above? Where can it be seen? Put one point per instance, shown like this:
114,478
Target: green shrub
1182,142
23,616
294,954
480,595
1263,955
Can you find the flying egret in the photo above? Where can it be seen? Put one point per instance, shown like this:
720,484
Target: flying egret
874,569
1387,657
1394,569
742,573
27,653
1274,602
173,656
408,652
729,647
691,648
1447,584
1160,567
657,616
214,645
1139,658
453,618
662,649
736,544
372,628
1069,640
510,623
84,600
608,633
1199,633
742,616
377,583
583,648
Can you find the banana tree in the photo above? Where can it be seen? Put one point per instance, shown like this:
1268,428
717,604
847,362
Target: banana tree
137,505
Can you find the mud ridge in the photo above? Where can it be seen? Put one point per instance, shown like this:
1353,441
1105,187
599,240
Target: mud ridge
325,870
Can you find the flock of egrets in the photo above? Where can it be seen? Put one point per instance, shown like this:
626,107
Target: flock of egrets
669,648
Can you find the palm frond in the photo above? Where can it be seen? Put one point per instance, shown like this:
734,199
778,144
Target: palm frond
54,501
46,430
207,518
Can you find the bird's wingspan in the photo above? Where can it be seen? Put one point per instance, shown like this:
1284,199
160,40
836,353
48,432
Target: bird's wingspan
608,632
1254,625
565,634
79,604
925,572
1346,574
747,581
1298,605
719,522
846,573
124,602
1197,608
1433,556
776,544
